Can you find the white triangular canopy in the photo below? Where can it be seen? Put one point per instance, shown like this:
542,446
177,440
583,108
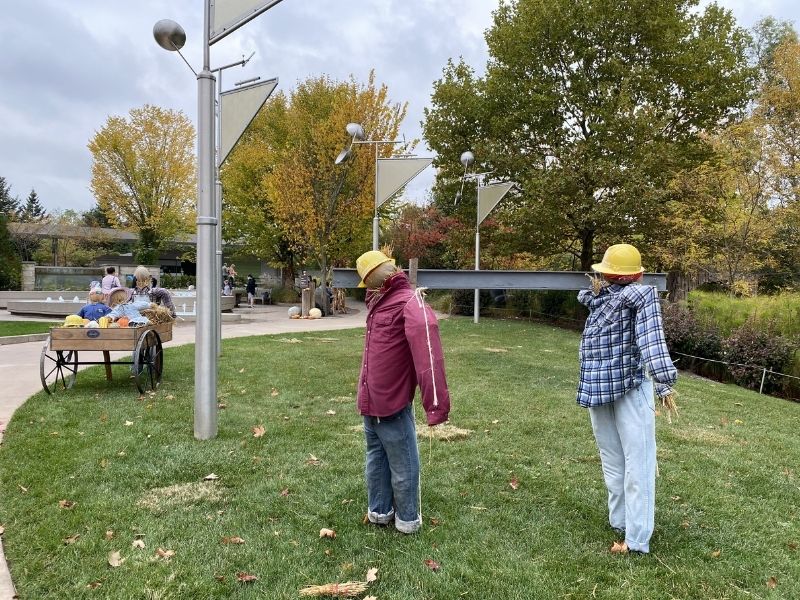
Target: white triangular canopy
228,15
489,196
238,108
394,173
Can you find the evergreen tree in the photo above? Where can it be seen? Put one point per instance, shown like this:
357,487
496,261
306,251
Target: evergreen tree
32,211
9,205
9,263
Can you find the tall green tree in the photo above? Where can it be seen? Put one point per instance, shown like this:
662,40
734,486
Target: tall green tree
32,210
9,205
592,106
9,262
143,175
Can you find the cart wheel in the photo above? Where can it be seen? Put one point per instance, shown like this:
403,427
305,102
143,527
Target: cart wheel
58,369
148,361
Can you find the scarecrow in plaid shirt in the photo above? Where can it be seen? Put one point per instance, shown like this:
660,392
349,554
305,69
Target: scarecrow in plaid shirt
624,363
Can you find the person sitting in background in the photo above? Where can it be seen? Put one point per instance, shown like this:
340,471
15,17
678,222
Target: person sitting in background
144,286
96,308
110,281
121,306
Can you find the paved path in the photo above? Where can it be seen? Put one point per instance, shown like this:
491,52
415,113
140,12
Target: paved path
19,365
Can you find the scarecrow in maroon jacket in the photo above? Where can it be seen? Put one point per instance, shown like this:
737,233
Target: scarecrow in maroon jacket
402,349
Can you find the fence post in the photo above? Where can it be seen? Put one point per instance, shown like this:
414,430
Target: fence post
763,376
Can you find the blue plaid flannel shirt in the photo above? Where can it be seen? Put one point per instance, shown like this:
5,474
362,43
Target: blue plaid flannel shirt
623,336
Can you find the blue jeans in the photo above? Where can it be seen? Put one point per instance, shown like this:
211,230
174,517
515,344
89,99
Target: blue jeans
625,431
392,470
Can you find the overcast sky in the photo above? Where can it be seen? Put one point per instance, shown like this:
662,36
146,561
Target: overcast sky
67,66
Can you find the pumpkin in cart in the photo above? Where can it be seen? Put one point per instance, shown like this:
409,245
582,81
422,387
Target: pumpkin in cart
123,321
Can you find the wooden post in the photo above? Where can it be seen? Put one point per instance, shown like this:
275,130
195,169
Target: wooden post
307,298
412,271
107,358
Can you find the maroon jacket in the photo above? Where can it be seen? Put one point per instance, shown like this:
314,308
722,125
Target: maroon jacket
401,352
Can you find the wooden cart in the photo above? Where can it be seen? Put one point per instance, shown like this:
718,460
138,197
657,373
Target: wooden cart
58,365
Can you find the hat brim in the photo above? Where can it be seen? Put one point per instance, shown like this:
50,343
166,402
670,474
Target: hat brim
361,283
601,268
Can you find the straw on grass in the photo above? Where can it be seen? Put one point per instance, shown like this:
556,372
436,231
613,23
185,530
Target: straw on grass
348,589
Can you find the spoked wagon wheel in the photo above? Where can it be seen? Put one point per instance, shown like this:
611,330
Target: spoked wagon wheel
58,369
148,361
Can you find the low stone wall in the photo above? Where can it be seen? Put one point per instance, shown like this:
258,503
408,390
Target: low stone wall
19,303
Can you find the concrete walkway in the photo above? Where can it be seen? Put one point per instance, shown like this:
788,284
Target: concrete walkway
19,365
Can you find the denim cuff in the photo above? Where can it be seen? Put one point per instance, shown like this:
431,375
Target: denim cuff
380,519
408,526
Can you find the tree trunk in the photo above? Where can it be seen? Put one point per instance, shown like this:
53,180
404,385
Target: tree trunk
587,249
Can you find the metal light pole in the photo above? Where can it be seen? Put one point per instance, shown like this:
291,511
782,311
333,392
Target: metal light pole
171,36
487,198
356,132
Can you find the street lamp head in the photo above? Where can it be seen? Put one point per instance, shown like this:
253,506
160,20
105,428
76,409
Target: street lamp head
467,158
343,157
355,131
169,35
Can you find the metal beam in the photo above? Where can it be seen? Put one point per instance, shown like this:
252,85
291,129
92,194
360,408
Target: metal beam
439,279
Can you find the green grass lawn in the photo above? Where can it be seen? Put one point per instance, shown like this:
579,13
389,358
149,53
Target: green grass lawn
8,328
727,521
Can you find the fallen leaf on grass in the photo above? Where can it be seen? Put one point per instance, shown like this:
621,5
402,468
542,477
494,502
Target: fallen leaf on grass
128,423
716,553
115,559
274,392
233,539
23,488
514,483
71,539
330,412
241,370
327,533
259,431
435,522
285,492
245,577
109,534
738,421
211,477
792,545
165,554
67,504
495,422
219,578
431,564
222,405
772,583
372,575
94,585
138,544
169,397
313,460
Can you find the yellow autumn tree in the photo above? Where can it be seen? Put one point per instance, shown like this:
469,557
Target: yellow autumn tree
283,194
143,175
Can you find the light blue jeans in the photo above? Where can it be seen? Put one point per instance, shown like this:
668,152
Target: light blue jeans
625,431
392,471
